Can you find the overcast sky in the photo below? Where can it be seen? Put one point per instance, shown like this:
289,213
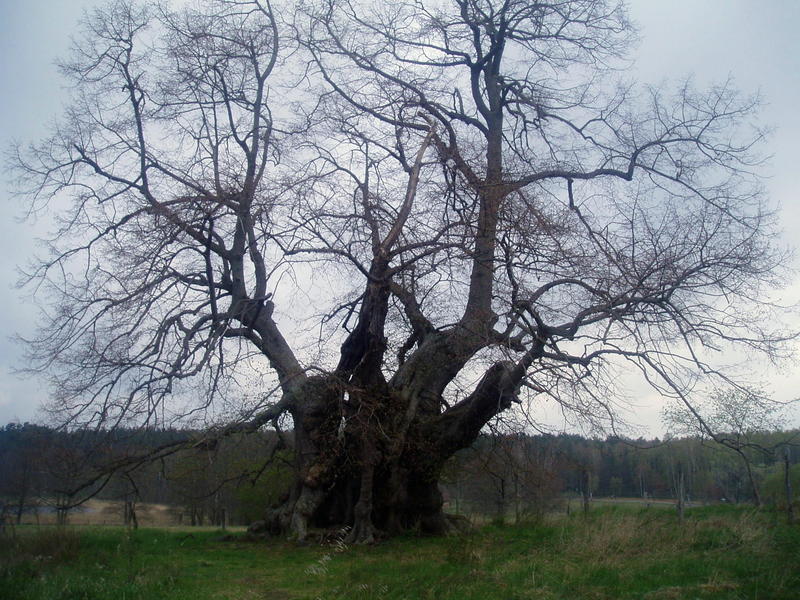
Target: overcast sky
757,43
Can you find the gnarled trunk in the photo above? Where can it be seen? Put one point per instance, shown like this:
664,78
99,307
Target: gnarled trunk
362,465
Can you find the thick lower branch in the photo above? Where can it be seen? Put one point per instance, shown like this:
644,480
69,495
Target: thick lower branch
458,426
257,315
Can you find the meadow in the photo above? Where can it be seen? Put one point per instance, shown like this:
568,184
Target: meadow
613,552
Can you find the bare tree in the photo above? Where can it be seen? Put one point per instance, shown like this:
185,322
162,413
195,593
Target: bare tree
22,453
787,482
733,418
460,185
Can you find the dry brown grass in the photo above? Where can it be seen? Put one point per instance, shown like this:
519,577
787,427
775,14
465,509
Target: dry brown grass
108,512
617,535
612,536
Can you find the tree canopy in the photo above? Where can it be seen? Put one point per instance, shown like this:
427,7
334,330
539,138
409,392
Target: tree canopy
387,223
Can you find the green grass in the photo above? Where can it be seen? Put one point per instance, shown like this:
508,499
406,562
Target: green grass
718,552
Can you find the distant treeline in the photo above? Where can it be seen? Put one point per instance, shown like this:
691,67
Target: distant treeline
505,474
238,478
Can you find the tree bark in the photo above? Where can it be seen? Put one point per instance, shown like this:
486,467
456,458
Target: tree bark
585,491
367,462
788,485
751,478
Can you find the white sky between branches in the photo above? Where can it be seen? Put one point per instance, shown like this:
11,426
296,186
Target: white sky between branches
756,43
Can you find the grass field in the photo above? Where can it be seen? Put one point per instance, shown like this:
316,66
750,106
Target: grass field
615,552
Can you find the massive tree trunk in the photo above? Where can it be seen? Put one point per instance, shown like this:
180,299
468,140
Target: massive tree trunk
370,471
369,451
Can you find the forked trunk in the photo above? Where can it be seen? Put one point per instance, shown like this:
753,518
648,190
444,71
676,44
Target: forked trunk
361,466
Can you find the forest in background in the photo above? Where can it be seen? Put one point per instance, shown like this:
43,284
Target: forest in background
502,476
